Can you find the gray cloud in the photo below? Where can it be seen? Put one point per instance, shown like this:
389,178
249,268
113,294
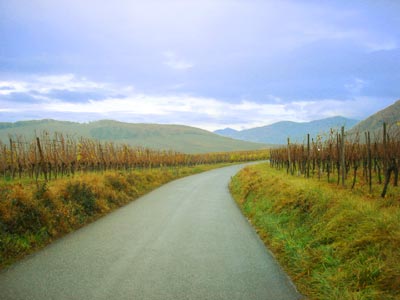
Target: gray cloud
205,112
18,97
76,96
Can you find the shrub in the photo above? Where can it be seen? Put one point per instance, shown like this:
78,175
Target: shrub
43,196
19,212
116,182
82,194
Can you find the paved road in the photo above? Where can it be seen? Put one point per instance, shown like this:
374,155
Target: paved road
185,240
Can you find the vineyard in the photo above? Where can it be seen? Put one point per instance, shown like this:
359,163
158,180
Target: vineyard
51,156
54,184
340,158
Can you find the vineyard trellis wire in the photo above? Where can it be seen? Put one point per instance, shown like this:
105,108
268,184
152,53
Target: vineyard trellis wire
340,154
51,156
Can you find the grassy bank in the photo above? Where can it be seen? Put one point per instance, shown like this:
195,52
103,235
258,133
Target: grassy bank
32,215
334,243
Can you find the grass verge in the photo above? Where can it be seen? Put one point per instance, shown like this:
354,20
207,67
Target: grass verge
32,215
333,242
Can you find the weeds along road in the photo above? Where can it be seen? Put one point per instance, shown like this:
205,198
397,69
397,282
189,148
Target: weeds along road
185,240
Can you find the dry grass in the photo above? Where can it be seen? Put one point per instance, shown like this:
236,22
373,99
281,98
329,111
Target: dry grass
32,215
335,243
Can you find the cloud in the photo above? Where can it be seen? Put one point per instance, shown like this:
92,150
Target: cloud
20,97
47,83
76,96
70,98
214,48
9,87
6,88
176,63
356,85
386,45
69,95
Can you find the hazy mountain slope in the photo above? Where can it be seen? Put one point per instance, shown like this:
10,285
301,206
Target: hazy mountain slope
278,133
229,132
176,137
374,123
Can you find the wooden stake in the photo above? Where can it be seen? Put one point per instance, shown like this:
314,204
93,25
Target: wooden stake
369,162
288,150
343,159
308,155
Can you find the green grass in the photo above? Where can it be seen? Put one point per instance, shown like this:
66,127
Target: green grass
32,215
334,243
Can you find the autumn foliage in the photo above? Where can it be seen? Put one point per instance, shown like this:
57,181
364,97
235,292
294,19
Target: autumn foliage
58,155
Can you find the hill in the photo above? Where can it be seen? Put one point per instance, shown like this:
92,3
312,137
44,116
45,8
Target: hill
390,115
278,133
169,137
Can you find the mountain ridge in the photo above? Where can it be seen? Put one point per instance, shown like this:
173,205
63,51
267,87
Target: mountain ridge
277,133
374,123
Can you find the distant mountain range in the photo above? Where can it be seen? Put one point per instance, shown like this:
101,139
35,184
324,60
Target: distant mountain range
193,140
165,137
278,133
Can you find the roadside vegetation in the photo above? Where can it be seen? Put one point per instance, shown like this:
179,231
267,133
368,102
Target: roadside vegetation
52,185
32,214
334,242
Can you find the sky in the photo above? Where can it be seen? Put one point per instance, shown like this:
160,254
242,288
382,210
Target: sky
211,64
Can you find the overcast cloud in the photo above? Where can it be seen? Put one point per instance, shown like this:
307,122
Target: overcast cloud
210,64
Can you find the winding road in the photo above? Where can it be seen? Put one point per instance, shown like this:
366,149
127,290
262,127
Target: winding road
185,240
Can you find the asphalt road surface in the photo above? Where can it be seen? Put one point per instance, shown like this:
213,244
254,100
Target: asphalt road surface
185,240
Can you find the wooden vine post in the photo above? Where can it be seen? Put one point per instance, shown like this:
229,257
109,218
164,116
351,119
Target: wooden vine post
308,155
343,158
42,162
369,162
386,169
288,151
385,164
12,169
338,141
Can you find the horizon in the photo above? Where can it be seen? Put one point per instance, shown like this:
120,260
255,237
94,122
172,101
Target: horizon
206,64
